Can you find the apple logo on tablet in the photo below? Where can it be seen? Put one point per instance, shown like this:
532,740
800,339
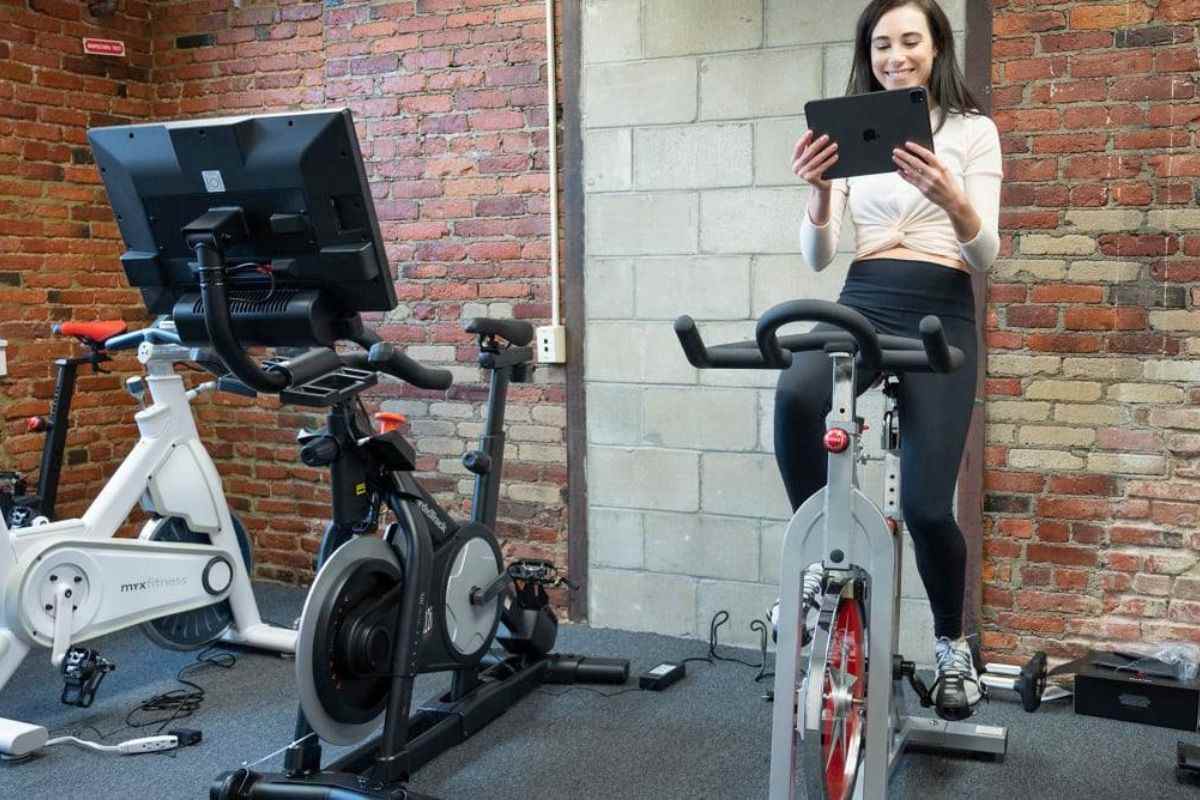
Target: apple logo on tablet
870,135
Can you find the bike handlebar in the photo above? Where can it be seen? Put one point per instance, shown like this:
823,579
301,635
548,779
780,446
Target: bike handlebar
128,341
855,334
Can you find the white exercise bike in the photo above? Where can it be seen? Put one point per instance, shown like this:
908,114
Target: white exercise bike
185,580
840,723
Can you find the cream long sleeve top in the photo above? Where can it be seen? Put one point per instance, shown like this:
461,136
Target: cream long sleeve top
889,212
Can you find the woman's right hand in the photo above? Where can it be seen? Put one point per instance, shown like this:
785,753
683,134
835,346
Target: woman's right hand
811,158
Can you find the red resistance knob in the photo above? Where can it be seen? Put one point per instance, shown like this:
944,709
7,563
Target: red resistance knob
389,421
836,440
36,425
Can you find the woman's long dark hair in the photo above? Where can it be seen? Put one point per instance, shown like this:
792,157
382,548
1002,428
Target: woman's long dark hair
947,86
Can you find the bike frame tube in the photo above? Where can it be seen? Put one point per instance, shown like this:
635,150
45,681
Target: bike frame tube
487,486
56,437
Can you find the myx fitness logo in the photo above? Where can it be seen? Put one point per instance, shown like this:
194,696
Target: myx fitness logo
150,584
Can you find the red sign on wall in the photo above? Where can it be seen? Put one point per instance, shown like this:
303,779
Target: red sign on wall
103,47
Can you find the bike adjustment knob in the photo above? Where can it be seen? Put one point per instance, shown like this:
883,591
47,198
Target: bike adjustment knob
320,451
478,462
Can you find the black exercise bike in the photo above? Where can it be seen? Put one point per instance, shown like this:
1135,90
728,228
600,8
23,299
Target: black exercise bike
431,595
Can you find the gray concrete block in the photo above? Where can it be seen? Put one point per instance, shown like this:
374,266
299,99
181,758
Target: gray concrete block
770,550
649,478
681,27
745,603
702,545
696,156
780,278
614,413
700,419
814,21
658,223
410,408
608,288
640,93
837,61
615,538
771,83
607,159
916,632
706,288
612,30
766,420
751,220
774,143
742,484
809,21
644,352
642,601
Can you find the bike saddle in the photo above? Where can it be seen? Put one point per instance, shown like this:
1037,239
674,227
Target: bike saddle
93,334
515,331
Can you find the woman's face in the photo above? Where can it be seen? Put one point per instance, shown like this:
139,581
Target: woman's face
902,50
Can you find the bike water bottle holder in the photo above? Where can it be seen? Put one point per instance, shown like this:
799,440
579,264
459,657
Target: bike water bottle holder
83,670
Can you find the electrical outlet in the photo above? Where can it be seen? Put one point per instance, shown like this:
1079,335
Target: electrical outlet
551,344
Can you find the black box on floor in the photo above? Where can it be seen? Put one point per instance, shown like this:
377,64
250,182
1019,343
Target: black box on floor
1137,697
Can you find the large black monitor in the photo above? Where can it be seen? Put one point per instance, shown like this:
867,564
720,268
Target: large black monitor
305,227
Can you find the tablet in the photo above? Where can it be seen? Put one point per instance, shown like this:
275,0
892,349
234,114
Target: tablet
867,127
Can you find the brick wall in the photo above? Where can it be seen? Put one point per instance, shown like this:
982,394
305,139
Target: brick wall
58,241
1093,489
449,101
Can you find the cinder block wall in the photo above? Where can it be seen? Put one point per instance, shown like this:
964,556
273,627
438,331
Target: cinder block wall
690,112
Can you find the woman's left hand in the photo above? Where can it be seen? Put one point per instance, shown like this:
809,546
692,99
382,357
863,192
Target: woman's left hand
923,170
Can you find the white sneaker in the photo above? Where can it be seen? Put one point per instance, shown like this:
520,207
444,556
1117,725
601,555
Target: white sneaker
956,689
810,604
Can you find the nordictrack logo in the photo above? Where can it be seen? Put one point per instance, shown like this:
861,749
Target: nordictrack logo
152,583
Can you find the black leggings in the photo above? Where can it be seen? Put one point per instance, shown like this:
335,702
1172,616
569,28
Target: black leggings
935,412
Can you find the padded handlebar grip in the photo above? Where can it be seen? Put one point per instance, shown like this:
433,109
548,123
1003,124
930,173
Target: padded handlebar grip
937,349
386,358
742,355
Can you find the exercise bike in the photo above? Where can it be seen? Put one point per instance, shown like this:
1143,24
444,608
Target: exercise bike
185,580
839,721
431,595
20,508
261,230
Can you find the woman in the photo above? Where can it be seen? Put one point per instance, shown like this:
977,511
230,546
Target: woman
920,232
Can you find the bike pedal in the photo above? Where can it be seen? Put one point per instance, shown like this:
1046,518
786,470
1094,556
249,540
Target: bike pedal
83,671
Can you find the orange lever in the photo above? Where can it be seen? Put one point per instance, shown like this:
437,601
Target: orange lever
389,421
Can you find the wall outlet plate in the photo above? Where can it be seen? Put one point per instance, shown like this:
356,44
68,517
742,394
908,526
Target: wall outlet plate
551,344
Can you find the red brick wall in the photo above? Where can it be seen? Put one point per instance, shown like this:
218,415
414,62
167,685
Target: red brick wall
1093,487
58,241
449,101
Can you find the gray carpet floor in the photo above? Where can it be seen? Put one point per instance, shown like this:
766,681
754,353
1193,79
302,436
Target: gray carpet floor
706,737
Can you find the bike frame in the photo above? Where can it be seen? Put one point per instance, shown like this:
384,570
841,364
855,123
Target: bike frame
844,530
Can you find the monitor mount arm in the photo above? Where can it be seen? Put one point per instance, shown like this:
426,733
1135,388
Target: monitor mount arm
207,237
